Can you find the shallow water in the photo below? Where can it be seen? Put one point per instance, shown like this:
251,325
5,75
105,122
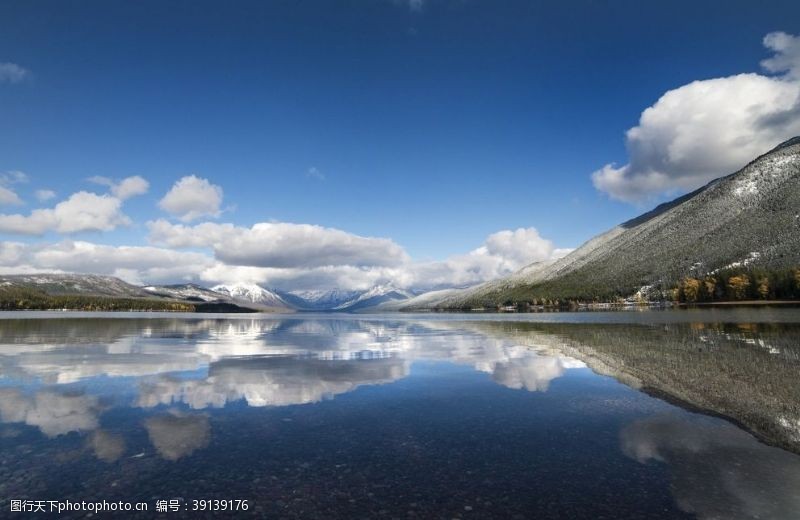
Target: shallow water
661,414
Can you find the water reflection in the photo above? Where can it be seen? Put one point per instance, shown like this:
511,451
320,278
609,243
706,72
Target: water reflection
106,446
270,381
717,469
156,389
176,434
201,364
53,412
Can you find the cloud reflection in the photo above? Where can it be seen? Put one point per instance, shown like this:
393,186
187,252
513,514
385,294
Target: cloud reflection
718,470
54,413
176,434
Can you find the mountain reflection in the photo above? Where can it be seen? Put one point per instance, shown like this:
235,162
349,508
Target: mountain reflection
746,372
718,471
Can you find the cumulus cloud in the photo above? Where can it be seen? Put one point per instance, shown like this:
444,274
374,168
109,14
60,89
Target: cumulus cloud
8,197
281,244
135,264
44,195
279,255
12,73
708,128
82,211
501,254
192,197
124,189
787,54
301,256
327,277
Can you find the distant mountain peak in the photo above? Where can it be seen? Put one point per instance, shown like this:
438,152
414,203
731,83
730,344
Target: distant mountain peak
251,293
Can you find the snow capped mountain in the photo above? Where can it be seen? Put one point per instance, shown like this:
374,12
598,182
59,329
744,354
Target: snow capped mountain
320,299
344,300
252,293
374,296
247,295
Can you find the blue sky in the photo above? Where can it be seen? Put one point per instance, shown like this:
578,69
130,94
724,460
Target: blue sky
434,123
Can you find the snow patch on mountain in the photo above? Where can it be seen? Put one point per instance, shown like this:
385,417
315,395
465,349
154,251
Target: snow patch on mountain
185,292
253,293
325,299
374,296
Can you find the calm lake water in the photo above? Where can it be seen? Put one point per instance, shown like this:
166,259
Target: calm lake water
668,414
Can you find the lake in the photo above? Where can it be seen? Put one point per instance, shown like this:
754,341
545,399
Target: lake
655,414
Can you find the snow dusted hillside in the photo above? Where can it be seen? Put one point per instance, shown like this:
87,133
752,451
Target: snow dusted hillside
750,217
89,284
186,292
251,293
345,300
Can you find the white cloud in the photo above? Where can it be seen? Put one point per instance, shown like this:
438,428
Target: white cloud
192,197
8,197
44,195
709,128
12,73
281,245
327,277
135,264
82,211
501,254
124,189
301,256
13,177
787,54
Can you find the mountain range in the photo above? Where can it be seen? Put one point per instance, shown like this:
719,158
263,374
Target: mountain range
234,297
749,219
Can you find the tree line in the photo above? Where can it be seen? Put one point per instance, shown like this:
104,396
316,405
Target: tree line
739,284
21,298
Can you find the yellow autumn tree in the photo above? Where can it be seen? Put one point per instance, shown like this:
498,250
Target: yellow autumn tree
738,286
691,289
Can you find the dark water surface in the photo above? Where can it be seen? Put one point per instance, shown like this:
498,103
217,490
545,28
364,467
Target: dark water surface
671,414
